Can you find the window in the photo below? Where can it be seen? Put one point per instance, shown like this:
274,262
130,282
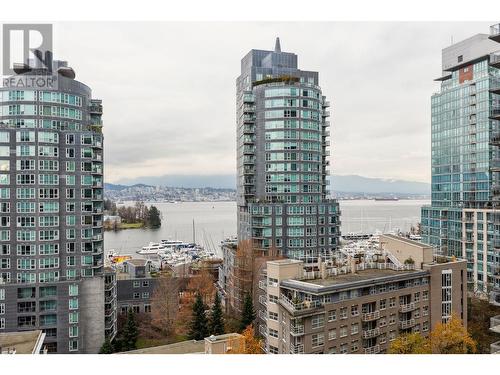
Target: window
73,331
425,326
332,334
460,58
137,284
317,321
392,302
73,304
273,316
137,295
272,282
73,345
273,349
273,332
343,331
273,298
73,317
145,295
343,349
147,308
383,304
354,346
343,313
425,310
318,339
425,295
354,310
332,315
354,328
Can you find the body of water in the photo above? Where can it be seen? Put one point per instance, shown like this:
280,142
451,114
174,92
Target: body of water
215,221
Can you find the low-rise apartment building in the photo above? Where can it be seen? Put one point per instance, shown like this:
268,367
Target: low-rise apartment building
135,286
358,306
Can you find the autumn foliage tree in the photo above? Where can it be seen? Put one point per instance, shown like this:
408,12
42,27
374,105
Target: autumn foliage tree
165,304
411,343
446,338
452,338
247,344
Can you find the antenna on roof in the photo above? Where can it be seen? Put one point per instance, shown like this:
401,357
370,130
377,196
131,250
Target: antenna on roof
277,46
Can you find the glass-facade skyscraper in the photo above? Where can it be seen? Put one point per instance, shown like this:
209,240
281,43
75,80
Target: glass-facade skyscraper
465,160
282,151
51,202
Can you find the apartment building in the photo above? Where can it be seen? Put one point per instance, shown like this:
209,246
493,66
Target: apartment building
51,202
463,218
356,306
135,286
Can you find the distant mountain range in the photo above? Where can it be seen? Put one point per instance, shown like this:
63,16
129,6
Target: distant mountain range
339,183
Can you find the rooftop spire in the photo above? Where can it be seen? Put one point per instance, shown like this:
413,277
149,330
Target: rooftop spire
277,46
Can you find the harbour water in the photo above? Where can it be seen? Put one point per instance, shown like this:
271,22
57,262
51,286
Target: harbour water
215,221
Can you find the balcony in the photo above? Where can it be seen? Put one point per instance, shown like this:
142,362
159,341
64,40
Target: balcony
368,334
97,237
262,315
495,324
495,348
299,307
326,113
326,103
367,317
262,285
495,32
297,349
372,349
495,139
495,112
263,300
495,165
297,330
405,324
407,307
248,98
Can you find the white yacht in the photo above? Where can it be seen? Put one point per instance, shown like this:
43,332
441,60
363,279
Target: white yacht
152,248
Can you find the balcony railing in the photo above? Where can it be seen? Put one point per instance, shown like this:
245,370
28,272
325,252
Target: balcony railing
407,307
405,324
262,315
297,349
299,306
367,334
495,348
263,300
262,285
495,324
372,349
374,315
297,330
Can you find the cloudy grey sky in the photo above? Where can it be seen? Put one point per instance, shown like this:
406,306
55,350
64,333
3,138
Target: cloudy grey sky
168,90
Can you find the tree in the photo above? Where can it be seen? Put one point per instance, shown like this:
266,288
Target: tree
130,332
248,313
216,317
199,322
154,217
165,304
246,344
452,338
202,284
106,347
410,343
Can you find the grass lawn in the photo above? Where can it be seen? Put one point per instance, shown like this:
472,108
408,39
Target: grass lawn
131,225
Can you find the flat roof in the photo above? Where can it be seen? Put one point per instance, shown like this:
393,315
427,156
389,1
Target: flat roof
349,281
27,342
222,337
406,240
183,347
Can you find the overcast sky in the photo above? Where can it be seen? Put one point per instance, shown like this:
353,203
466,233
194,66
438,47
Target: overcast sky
168,90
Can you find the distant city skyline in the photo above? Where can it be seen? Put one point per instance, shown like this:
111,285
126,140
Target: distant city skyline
378,76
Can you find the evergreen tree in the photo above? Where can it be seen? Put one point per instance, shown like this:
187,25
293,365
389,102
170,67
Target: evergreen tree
154,217
199,323
216,317
106,347
130,332
248,313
